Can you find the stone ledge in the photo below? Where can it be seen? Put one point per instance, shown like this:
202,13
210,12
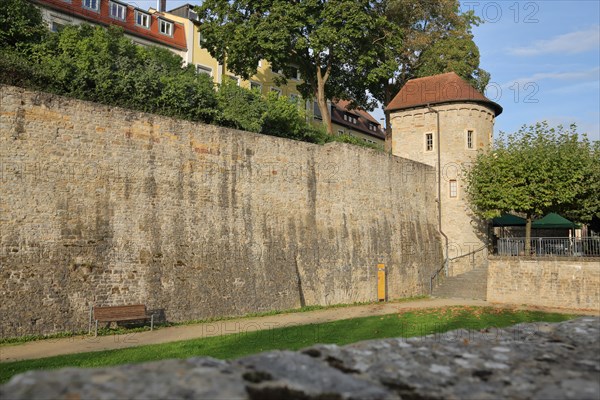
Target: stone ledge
526,361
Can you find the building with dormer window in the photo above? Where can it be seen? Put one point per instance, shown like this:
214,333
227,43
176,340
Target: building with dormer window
145,28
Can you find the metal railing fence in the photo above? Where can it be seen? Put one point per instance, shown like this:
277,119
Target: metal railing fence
551,246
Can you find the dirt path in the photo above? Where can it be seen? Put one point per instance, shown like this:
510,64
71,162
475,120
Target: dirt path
79,344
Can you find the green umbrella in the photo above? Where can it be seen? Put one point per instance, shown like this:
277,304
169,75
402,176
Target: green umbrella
508,220
553,221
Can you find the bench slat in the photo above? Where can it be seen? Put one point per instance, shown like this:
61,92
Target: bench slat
120,313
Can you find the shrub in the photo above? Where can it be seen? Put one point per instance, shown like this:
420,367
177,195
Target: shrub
102,65
240,108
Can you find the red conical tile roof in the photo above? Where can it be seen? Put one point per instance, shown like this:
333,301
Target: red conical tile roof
435,89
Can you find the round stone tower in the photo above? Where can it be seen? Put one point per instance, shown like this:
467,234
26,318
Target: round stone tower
443,121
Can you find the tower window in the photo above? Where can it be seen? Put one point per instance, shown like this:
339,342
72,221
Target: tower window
428,141
469,139
453,188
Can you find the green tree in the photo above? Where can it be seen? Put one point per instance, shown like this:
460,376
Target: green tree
240,108
284,118
330,42
457,53
421,38
538,170
102,65
20,24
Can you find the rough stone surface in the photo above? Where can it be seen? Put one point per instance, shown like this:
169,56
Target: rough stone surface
527,361
467,234
469,285
560,282
105,206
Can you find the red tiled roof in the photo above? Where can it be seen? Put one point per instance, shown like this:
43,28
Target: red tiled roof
75,8
442,88
340,107
345,105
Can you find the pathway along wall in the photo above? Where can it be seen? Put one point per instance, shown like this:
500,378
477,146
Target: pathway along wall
105,206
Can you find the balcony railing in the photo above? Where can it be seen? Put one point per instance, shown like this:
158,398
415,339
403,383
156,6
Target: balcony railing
555,246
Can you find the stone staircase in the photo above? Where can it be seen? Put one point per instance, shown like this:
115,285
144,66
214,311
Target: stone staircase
470,285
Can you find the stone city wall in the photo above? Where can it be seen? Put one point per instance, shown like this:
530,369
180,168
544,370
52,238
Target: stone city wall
563,283
107,206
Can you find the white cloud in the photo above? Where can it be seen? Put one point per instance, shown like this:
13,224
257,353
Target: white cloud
588,75
568,43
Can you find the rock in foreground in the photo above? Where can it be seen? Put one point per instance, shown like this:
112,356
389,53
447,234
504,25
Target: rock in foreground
526,361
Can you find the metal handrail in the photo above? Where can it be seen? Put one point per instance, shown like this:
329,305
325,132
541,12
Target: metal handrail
447,262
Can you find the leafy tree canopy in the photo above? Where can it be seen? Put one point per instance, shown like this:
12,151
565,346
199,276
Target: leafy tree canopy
360,50
20,23
323,39
540,169
421,38
103,65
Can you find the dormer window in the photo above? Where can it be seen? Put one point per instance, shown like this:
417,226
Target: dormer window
350,118
142,19
117,11
93,5
165,27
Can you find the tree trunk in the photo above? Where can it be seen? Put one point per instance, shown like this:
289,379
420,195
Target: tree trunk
322,100
388,122
388,132
528,235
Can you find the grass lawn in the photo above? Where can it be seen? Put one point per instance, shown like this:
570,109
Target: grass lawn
407,324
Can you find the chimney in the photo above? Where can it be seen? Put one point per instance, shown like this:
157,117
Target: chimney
161,5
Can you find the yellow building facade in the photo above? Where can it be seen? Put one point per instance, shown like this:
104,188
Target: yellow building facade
265,78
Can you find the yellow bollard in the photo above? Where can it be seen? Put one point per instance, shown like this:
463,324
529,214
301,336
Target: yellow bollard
381,294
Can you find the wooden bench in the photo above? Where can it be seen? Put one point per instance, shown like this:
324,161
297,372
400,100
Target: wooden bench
136,312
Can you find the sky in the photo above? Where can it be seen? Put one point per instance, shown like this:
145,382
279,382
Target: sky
543,57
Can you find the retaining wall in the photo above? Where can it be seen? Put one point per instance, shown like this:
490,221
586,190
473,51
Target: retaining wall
549,282
106,206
